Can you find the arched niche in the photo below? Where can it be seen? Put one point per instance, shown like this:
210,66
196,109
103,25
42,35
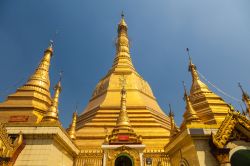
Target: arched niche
124,160
240,156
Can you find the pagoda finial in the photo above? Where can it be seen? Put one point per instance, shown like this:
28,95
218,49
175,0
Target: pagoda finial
50,47
122,62
171,114
122,22
190,114
244,94
72,128
40,78
197,84
52,114
122,14
192,67
185,90
245,98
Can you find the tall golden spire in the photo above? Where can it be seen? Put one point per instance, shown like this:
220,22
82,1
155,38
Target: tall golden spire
72,128
33,98
122,61
212,108
40,78
197,84
190,115
245,99
52,114
123,132
122,120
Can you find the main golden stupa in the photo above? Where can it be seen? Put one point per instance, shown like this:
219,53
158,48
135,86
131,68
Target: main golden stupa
122,124
99,117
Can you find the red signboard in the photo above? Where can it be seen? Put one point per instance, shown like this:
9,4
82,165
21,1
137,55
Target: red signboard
123,137
20,118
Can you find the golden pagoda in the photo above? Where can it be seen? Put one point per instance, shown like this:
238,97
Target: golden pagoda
122,123
210,108
31,101
100,115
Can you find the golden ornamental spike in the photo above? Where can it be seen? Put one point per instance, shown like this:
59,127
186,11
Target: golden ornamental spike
122,14
122,62
72,128
123,130
185,91
123,120
245,96
171,114
40,78
190,114
197,84
52,114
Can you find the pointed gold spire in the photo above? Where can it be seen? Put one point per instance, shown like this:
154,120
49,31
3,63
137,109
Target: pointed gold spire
174,129
197,84
245,99
211,107
40,78
190,115
52,114
72,128
123,132
122,120
122,61
122,22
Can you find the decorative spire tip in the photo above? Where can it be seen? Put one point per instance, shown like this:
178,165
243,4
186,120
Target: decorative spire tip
122,14
50,47
185,90
60,75
170,111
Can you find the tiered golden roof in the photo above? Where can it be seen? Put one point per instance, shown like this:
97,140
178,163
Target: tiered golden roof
210,108
99,117
33,98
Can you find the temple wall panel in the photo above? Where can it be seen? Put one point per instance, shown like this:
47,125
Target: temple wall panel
35,152
187,152
43,152
205,157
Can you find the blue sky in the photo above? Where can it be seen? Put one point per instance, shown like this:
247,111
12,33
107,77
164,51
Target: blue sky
216,32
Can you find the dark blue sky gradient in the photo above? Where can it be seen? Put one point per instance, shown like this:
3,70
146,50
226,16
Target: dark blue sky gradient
216,32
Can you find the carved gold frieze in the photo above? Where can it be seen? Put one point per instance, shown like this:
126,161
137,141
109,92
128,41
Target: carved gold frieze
8,147
227,130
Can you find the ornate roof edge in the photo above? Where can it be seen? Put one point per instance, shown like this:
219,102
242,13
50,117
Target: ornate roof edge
222,136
